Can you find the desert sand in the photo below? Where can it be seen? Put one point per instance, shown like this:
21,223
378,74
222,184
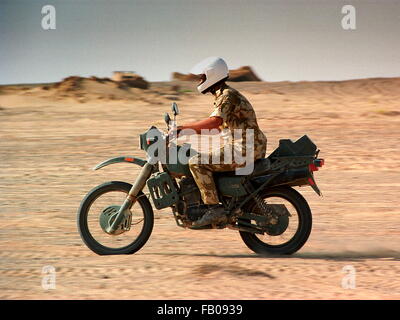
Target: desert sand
51,137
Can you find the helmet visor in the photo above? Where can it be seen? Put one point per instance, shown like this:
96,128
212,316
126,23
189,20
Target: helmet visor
202,79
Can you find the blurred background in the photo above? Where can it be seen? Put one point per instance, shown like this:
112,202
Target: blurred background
282,40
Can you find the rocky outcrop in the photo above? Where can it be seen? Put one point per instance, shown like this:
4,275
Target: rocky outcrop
129,79
184,77
137,82
243,74
69,84
76,86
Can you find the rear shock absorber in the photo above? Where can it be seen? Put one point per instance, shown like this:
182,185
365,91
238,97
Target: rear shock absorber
266,210
263,206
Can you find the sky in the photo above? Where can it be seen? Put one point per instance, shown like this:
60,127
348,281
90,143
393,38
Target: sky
282,40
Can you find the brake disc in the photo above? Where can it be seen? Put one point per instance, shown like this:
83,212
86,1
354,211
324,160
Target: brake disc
107,217
281,214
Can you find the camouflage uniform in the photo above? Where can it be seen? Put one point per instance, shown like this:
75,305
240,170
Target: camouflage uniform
236,113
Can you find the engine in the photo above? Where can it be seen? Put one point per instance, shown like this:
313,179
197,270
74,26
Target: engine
189,196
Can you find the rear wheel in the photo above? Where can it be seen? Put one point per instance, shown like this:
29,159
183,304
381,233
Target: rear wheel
296,231
93,212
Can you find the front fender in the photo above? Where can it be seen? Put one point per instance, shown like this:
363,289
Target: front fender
133,160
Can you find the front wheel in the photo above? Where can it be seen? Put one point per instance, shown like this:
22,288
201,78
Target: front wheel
297,227
93,212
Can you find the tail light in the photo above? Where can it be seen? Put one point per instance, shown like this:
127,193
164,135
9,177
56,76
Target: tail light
317,163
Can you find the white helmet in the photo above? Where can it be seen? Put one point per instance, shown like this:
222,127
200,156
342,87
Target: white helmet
214,69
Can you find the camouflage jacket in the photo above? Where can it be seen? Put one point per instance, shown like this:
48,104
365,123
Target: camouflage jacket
237,113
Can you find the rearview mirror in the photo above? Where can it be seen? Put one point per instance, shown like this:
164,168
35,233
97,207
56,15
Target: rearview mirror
167,118
175,109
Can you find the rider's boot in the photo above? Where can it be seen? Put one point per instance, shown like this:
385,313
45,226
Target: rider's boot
215,213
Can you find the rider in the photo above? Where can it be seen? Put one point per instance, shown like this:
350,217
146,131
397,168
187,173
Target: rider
231,111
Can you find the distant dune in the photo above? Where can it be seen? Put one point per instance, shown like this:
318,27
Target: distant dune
93,89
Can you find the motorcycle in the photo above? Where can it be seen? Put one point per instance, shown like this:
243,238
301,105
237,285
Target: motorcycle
271,216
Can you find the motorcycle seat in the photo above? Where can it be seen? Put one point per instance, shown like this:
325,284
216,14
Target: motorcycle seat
261,166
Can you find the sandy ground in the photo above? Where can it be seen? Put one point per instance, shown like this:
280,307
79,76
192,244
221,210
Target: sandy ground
49,144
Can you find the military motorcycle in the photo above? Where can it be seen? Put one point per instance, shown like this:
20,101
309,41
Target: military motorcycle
271,216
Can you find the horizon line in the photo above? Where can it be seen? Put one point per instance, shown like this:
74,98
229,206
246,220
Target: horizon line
158,81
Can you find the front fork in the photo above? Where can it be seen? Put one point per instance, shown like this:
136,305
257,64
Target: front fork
138,186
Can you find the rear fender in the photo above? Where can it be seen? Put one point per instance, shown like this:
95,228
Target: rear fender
138,161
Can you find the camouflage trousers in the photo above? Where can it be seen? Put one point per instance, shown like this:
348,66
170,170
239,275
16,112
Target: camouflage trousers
202,171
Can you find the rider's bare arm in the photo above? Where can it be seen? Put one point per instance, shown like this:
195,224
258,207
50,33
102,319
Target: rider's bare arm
209,123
